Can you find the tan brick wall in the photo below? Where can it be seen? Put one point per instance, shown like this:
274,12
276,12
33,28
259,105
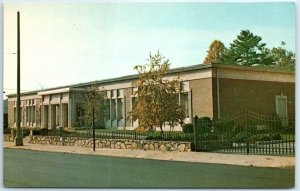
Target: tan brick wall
257,96
10,108
202,97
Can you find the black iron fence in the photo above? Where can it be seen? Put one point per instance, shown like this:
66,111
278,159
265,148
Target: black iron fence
135,135
246,132
117,134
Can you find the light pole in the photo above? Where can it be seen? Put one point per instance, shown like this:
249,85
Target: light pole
19,138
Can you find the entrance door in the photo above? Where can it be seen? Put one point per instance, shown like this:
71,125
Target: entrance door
281,109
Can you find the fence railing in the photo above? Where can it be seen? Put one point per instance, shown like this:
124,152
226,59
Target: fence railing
174,136
114,134
247,132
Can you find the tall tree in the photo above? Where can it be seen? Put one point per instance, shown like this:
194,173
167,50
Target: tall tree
282,58
157,97
94,99
214,52
246,49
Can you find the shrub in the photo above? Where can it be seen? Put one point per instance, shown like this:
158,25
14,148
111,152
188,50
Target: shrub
25,132
188,128
154,138
242,136
7,131
276,136
205,124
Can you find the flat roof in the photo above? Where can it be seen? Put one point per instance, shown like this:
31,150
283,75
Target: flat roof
172,71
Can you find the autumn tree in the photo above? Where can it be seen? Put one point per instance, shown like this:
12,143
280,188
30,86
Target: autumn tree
157,97
282,58
214,52
93,100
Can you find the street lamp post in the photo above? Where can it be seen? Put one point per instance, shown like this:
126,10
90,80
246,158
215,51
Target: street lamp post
19,138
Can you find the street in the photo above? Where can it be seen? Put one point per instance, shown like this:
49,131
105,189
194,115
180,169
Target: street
24,168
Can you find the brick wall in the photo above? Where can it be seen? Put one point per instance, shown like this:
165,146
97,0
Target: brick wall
202,97
257,96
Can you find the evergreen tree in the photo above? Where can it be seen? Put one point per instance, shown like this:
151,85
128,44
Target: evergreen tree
93,100
245,50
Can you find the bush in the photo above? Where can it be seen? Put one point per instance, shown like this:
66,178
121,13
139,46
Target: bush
260,137
205,124
188,128
154,138
242,136
25,132
276,136
7,131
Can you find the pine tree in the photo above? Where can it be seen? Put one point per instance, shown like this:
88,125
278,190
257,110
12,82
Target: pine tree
245,50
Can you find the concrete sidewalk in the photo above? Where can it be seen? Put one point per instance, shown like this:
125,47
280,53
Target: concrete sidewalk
200,157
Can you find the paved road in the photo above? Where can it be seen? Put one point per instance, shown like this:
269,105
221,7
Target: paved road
24,168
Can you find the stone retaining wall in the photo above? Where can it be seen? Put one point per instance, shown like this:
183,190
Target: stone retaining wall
108,143
9,138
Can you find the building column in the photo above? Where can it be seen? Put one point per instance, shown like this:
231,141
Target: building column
49,116
61,124
71,111
190,105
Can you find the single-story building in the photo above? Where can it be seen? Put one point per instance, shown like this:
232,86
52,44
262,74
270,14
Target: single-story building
211,90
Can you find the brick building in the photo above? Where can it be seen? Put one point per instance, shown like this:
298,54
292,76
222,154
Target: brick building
211,90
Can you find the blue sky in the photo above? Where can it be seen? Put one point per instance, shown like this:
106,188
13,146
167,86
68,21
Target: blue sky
64,44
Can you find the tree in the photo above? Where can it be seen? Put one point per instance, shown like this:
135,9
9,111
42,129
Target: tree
282,58
214,52
93,99
157,98
246,50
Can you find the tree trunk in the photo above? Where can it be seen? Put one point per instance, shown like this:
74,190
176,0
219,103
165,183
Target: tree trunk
161,129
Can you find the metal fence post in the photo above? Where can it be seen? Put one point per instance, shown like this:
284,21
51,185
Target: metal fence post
195,126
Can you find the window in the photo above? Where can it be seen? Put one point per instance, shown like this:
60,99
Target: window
107,111
113,109
79,115
185,103
33,114
120,108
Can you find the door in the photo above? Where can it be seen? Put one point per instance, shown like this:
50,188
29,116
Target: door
281,109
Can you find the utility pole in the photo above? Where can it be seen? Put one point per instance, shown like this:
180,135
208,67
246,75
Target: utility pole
19,138
93,124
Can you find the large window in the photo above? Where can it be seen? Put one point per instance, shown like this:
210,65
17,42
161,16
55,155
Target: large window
184,101
113,109
120,108
79,115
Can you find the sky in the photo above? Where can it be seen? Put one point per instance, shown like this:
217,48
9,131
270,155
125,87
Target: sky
69,43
